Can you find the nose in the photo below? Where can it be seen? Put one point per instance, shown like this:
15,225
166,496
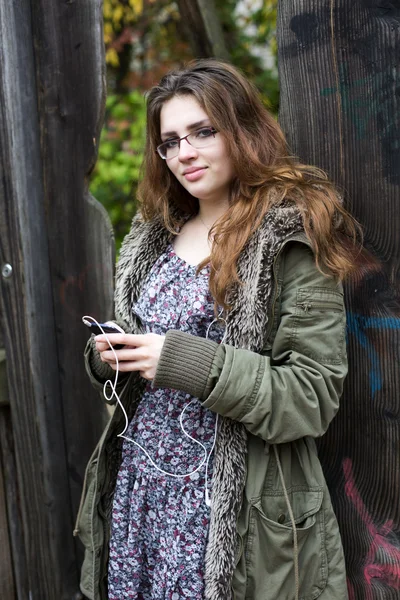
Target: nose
186,151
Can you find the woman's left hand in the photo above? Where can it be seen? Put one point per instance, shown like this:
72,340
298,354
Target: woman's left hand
140,353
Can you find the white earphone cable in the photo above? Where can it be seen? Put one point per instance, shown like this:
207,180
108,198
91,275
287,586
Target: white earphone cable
109,397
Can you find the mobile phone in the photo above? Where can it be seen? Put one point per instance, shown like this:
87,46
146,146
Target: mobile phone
107,328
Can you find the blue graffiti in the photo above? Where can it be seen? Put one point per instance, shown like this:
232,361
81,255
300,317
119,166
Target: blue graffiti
358,325
361,105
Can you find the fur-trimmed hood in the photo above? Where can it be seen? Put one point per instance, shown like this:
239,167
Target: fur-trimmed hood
245,328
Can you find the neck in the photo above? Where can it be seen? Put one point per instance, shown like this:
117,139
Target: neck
209,213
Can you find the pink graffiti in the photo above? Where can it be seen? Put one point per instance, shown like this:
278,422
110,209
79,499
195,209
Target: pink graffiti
70,288
387,573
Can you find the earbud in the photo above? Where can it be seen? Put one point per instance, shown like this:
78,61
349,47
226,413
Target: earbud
208,499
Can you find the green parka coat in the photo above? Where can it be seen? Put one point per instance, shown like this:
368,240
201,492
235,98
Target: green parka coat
275,385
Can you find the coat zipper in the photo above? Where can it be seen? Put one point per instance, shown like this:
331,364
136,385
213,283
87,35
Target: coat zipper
307,305
275,294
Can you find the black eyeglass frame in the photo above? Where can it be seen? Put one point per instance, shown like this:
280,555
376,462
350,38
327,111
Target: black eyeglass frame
185,137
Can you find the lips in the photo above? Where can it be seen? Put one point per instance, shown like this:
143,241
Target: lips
193,173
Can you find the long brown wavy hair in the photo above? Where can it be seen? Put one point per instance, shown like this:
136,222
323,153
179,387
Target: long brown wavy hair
265,174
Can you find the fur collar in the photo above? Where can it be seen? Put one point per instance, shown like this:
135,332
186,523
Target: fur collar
245,328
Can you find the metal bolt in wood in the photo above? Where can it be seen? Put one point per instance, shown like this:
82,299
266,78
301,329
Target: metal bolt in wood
6,271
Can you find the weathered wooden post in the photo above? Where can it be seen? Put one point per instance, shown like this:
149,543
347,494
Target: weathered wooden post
7,584
56,264
340,108
203,28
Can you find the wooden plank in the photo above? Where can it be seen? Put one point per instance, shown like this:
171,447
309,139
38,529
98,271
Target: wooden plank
71,68
4,401
7,589
338,65
59,244
13,501
203,28
26,307
26,303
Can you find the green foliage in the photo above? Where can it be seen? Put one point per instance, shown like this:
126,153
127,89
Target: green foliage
246,37
118,15
117,172
143,40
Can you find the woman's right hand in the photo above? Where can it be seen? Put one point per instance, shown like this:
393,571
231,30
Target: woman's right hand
139,352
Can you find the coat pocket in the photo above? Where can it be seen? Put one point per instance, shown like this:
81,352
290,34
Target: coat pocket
318,325
270,547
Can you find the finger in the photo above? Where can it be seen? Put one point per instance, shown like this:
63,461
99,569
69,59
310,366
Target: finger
126,339
112,338
125,354
101,346
125,367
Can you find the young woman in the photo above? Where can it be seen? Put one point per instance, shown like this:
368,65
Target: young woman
228,288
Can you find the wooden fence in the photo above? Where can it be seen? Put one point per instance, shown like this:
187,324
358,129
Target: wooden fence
340,108
56,256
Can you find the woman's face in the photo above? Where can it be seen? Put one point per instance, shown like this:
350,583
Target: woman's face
205,172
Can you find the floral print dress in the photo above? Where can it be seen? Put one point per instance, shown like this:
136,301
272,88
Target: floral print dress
160,523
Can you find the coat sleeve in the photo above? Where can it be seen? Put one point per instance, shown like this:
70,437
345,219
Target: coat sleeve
293,389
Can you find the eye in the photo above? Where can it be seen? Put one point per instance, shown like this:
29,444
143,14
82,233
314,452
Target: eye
169,144
205,132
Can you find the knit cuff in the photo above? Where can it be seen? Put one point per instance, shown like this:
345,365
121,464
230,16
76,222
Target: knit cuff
185,363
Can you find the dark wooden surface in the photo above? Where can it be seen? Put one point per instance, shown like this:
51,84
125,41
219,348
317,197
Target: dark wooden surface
340,108
203,29
7,589
4,400
59,243
13,501
7,569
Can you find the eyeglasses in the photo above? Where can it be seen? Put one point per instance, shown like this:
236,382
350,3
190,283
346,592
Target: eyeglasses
198,139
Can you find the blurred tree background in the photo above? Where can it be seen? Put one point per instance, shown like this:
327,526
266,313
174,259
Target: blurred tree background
144,39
